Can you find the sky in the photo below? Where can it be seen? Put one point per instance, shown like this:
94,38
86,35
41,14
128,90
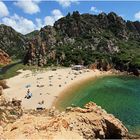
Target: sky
26,16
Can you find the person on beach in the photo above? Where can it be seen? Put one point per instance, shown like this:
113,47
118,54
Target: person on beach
28,95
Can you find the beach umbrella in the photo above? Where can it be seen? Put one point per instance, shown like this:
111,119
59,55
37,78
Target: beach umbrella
27,86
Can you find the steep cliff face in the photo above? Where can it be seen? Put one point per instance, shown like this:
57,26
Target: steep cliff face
36,55
12,42
134,28
89,123
76,25
4,58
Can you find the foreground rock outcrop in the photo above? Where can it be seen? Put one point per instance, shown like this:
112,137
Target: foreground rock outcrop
10,111
76,123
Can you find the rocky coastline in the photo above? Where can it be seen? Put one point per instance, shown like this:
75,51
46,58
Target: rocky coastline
89,123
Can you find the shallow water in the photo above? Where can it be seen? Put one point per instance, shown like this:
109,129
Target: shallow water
119,95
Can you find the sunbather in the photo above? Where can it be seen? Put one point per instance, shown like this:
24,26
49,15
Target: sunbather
28,95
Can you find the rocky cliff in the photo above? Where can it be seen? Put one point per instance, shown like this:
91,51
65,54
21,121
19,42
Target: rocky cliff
76,123
4,58
86,39
103,40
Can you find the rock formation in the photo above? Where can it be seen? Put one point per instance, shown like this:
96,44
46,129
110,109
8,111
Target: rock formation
88,123
4,58
101,65
3,84
10,111
78,39
36,55
85,39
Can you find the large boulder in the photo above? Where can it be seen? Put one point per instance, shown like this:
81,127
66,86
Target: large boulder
3,84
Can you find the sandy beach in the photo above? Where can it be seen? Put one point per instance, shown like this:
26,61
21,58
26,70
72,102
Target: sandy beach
45,86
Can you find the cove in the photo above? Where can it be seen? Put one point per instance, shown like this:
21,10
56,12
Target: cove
118,95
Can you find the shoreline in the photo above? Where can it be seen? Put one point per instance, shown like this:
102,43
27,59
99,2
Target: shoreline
76,84
52,85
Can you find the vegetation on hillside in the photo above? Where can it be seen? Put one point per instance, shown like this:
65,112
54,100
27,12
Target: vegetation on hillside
104,39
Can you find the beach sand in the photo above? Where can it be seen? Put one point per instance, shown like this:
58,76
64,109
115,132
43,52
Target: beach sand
45,86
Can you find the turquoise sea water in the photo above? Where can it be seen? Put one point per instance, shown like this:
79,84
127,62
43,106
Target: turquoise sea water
119,95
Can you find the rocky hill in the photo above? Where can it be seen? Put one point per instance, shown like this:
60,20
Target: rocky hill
104,39
4,58
12,42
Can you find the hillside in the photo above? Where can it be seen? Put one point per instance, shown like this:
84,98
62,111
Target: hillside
12,42
104,40
32,34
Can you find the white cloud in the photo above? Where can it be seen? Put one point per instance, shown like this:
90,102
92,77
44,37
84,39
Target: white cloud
3,9
56,14
20,24
122,15
39,23
95,10
28,6
137,15
24,25
67,3
49,20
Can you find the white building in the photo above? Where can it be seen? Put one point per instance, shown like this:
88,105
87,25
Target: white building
77,67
